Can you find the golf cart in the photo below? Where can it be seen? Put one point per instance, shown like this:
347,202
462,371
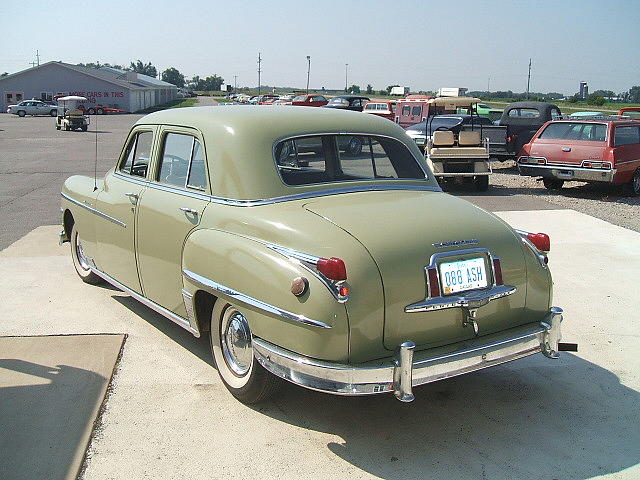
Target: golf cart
69,116
457,156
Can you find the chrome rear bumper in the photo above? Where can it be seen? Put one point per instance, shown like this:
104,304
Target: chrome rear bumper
568,173
407,368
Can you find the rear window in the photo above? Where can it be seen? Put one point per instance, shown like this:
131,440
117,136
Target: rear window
343,158
594,132
416,110
524,112
626,135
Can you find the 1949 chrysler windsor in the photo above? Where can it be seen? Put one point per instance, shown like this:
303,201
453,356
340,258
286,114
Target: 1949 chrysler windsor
349,273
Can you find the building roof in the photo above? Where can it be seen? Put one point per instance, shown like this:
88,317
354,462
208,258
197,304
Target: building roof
107,74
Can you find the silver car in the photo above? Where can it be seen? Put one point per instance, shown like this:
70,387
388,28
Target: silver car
32,107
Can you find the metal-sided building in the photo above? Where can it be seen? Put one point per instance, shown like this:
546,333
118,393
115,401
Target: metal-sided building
105,86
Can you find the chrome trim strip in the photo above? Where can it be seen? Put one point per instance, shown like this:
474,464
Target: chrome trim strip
177,319
250,301
285,198
189,306
93,210
474,299
426,366
308,262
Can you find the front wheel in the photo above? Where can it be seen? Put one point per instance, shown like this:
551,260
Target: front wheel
99,111
84,128
53,113
80,262
91,111
22,113
552,183
232,351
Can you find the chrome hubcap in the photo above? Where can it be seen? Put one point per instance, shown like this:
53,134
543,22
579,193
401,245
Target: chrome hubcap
236,343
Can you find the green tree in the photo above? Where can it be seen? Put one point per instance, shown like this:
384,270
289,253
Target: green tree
596,100
383,92
143,69
605,93
353,89
209,84
97,64
574,98
634,94
4,74
173,76
369,89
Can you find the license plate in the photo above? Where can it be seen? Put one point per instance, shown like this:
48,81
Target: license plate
463,275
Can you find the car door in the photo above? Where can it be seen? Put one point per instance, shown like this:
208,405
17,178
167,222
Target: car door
118,202
169,209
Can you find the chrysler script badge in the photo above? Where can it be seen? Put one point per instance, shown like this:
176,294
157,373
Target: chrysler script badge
456,243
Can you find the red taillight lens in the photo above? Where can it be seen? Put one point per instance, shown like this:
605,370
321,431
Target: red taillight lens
497,271
434,286
540,240
332,268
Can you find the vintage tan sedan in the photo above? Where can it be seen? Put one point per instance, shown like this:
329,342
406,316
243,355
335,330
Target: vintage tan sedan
348,274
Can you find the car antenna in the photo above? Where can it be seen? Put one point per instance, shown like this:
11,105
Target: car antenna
95,163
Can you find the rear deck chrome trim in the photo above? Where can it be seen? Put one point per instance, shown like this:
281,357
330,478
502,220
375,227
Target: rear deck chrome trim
250,301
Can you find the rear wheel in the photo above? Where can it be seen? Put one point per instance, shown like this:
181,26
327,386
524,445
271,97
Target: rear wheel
91,111
633,187
53,113
481,183
84,128
232,351
552,183
99,111
22,113
80,262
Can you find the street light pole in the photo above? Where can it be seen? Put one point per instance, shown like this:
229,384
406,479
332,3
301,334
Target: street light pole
308,71
346,72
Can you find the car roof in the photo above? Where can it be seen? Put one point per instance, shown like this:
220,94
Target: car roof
609,120
236,135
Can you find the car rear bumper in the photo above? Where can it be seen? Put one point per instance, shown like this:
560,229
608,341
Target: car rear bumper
568,173
408,368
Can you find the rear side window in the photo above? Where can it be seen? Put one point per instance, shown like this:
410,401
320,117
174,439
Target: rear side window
137,154
182,158
594,132
406,110
626,135
524,112
416,110
340,158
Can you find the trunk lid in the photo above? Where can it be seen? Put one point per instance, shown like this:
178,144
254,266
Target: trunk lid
399,230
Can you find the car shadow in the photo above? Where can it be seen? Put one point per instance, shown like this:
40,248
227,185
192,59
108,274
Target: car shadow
198,346
572,419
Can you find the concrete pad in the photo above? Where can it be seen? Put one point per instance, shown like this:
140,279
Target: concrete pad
51,390
169,416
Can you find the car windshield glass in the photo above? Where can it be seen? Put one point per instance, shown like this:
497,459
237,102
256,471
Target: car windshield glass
437,122
338,101
300,98
343,158
594,132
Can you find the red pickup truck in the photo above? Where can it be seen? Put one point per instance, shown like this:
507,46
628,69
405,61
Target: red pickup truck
602,150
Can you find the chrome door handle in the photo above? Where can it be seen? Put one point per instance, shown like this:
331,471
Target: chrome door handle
189,210
134,196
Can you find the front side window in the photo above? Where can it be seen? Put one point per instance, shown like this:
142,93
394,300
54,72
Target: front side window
555,114
626,136
137,155
406,110
339,158
300,98
182,157
416,110
594,132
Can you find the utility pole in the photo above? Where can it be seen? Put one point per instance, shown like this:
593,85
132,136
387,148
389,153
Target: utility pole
259,62
235,83
38,57
308,71
488,80
346,76
528,79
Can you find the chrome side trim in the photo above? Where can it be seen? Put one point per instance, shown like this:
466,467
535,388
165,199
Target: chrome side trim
285,198
93,210
409,368
177,319
189,306
308,262
250,301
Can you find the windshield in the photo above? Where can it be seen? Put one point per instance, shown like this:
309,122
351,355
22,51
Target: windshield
300,98
594,132
343,158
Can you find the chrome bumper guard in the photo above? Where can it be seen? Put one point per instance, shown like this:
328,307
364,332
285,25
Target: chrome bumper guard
408,368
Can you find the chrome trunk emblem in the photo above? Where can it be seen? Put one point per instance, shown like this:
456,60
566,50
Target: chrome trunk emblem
456,243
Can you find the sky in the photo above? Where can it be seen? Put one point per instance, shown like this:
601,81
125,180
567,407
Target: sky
424,45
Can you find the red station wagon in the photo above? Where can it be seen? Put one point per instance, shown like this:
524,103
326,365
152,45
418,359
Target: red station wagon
381,108
585,151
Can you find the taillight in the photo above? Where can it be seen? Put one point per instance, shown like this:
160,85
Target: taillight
434,286
497,271
333,268
540,240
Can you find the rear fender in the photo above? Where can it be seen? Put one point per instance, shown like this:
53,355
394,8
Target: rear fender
248,274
